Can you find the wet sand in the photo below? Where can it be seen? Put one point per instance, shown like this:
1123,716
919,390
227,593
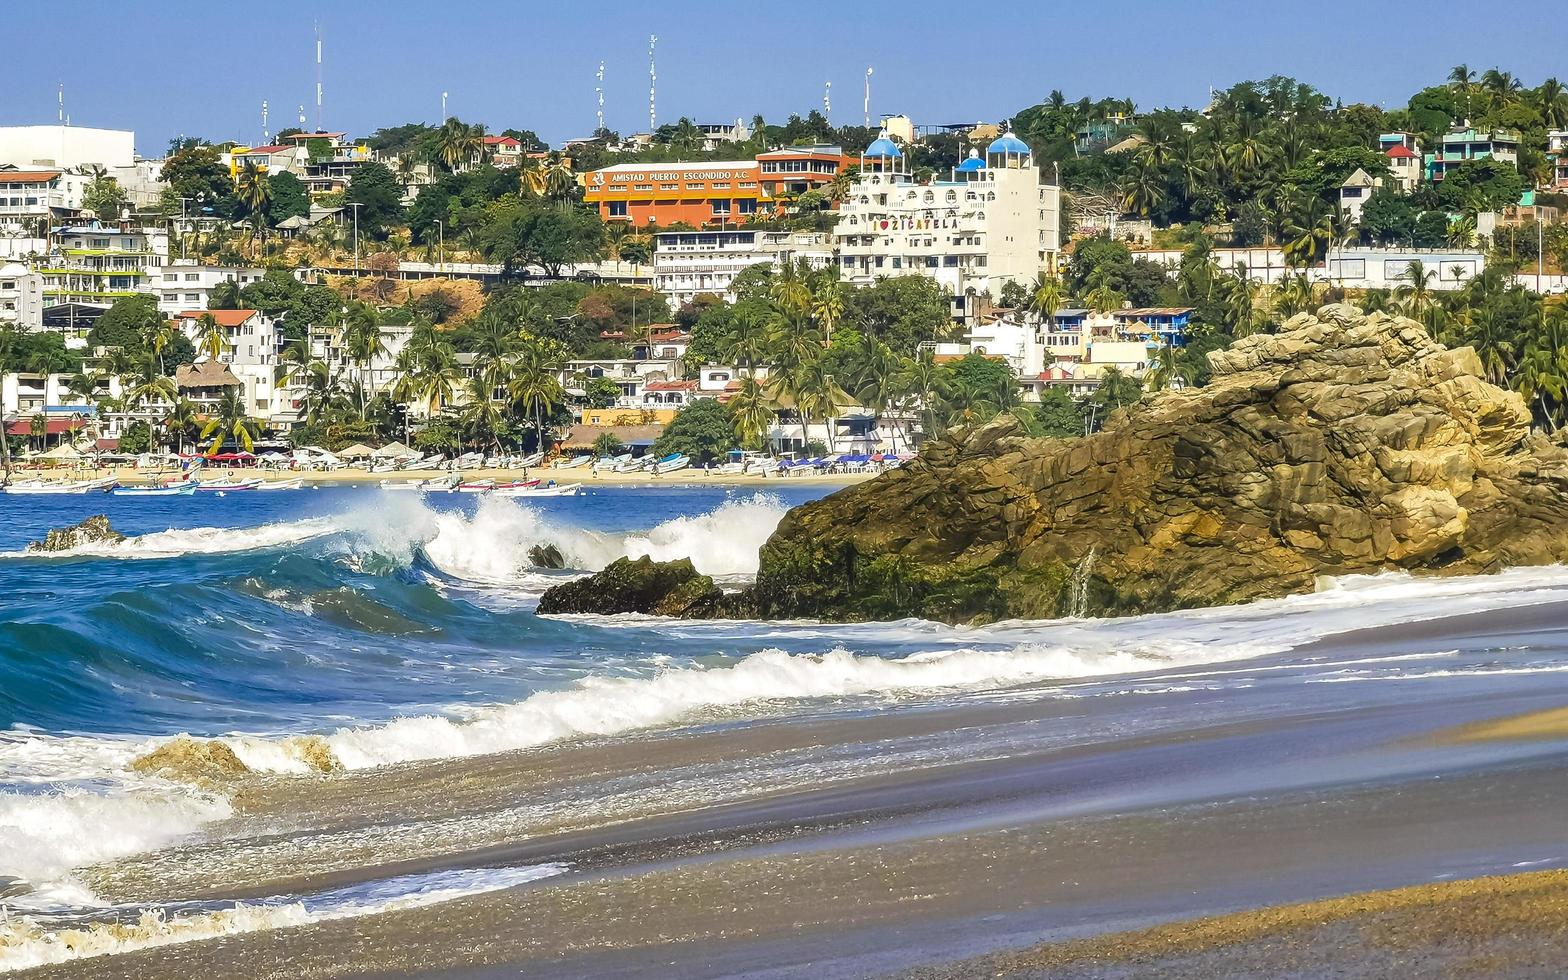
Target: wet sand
931,837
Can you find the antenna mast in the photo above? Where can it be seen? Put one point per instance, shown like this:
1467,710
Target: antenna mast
266,134
62,104
868,97
653,85
599,91
318,78
827,103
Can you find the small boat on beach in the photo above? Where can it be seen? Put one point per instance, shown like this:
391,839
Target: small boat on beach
549,490
157,490
54,488
514,488
671,463
294,484
477,486
225,485
566,464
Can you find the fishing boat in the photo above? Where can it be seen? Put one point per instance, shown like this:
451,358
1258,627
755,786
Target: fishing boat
671,463
633,465
56,488
225,485
477,486
549,490
294,484
170,490
436,484
514,488
566,464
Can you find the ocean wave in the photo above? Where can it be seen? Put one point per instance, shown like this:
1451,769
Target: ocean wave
178,542
28,941
600,706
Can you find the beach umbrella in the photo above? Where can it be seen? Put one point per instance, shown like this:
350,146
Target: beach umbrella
62,453
394,450
357,451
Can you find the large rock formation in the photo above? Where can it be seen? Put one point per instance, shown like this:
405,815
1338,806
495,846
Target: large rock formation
94,530
1345,443
670,588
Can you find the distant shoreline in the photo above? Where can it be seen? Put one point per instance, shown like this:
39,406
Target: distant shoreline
358,477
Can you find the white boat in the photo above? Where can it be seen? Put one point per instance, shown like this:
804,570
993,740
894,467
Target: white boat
533,460
566,490
438,483
566,464
634,465
170,490
224,485
50,487
671,463
478,486
294,484
409,485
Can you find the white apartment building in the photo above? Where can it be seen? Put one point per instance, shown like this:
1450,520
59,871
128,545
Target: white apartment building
185,285
97,263
64,147
1353,194
21,296
31,199
1557,152
689,263
992,222
250,352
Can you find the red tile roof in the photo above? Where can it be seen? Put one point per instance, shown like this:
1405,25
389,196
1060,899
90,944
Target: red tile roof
28,176
1400,151
498,140
664,338
55,426
670,386
1153,311
271,149
225,318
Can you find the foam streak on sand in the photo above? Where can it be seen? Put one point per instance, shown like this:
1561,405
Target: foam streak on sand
29,942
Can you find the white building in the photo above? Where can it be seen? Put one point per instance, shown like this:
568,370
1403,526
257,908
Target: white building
1353,194
185,285
689,263
991,223
21,296
99,263
1557,153
64,147
1353,268
31,199
251,342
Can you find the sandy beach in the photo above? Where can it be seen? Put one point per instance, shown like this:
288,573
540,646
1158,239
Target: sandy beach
1095,835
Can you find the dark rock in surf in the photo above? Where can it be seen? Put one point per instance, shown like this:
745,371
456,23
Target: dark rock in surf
1347,443
664,588
94,530
546,556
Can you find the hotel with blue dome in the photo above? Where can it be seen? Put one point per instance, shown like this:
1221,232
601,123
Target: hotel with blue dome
987,222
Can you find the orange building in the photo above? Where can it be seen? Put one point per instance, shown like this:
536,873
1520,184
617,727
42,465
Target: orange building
705,194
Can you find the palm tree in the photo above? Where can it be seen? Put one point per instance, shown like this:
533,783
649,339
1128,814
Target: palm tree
747,341
880,390
38,428
320,392
923,378
483,414
1102,297
458,142
152,387
789,290
1142,191
210,338
363,341
230,422
1309,231
255,192
1463,81
534,382
560,183
1047,297
1415,294
179,420
752,410
1165,370
1551,100
827,308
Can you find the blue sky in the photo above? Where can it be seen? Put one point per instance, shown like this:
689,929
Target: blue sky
178,67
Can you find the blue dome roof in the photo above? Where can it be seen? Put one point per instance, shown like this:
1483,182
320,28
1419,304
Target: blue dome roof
883,147
972,164
1008,143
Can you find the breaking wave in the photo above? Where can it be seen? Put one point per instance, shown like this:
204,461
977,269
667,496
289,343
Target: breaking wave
178,542
29,941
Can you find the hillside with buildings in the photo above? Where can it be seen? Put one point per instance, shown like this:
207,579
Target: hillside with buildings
797,288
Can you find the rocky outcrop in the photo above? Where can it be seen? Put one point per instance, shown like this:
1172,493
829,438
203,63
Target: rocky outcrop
94,530
670,588
1346,443
546,556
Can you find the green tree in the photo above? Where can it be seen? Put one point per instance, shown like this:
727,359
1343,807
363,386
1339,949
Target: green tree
608,444
288,197
1484,185
601,392
104,197
196,174
380,196
1057,415
1387,219
703,430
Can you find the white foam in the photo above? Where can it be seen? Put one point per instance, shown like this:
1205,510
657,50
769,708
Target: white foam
176,542
45,836
27,942
492,547
608,706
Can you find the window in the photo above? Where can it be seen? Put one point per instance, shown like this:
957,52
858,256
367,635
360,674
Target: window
171,277
747,206
720,206
193,277
617,209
